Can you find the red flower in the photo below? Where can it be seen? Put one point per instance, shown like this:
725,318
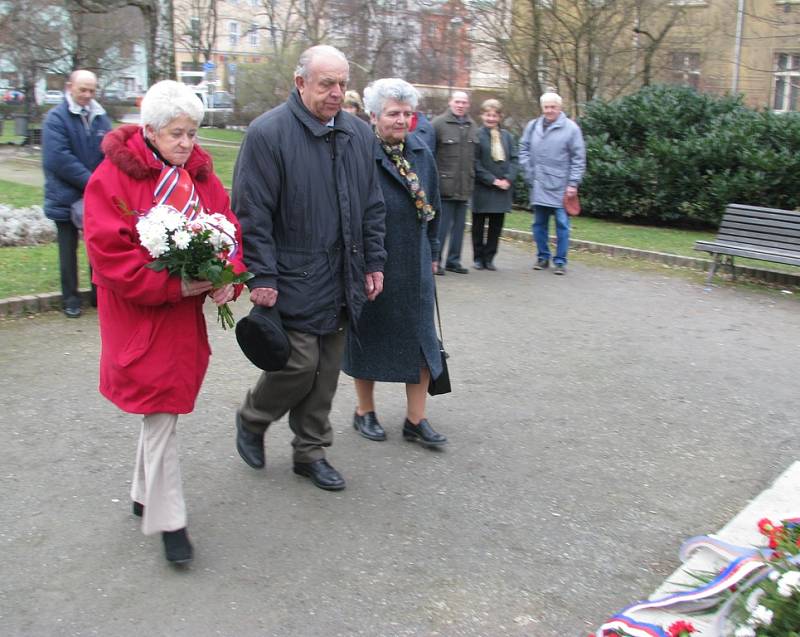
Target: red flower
680,628
765,526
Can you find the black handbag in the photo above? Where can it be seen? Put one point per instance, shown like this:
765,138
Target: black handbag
441,384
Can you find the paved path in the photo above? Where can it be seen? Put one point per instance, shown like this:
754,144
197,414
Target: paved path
21,166
598,419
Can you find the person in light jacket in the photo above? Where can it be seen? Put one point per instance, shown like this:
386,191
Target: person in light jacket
495,171
552,156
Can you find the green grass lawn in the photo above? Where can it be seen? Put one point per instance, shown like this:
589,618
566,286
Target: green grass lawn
220,134
667,240
34,270
224,159
20,195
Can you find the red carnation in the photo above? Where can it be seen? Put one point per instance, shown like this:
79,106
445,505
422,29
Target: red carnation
680,628
766,526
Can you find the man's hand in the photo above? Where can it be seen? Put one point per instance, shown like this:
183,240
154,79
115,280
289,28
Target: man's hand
435,266
571,191
264,296
374,285
194,288
502,184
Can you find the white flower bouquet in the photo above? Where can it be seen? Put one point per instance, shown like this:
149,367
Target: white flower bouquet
196,248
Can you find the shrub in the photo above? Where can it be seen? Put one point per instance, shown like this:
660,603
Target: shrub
25,226
672,156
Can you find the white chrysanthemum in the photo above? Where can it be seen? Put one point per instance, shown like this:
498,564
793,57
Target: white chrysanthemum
181,238
788,583
153,237
744,631
761,615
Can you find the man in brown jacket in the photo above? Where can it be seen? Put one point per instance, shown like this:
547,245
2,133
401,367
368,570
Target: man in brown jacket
456,136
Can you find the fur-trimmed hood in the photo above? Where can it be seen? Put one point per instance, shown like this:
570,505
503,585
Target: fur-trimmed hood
126,149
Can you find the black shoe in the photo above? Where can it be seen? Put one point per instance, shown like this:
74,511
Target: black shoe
138,509
457,269
440,271
368,426
478,265
422,433
321,473
560,269
490,266
249,445
72,312
541,264
177,547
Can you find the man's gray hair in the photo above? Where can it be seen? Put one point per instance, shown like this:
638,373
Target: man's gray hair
550,98
389,88
307,56
168,99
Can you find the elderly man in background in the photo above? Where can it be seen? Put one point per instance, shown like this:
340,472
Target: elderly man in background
552,156
71,137
307,194
456,136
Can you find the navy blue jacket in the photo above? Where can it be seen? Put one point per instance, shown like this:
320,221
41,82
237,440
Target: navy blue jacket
70,154
424,131
312,214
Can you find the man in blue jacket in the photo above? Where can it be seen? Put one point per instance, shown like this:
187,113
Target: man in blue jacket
552,156
71,138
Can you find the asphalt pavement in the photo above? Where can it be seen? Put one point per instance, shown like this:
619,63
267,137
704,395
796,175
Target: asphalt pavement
597,420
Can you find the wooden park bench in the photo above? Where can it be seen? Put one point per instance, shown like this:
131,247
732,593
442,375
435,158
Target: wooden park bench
767,234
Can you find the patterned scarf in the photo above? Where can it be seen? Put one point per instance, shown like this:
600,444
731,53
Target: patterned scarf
425,211
498,152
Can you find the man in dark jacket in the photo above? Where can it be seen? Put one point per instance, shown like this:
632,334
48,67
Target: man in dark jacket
306,192
71,138
456,135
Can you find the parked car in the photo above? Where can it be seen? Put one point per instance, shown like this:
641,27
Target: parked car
13,96
112,95
53,97
219,108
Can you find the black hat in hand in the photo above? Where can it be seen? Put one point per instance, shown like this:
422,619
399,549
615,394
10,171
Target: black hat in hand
261,336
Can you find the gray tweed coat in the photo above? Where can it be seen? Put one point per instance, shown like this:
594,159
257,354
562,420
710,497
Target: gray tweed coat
396,333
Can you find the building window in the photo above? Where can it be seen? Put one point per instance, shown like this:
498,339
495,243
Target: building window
787,81
685,69
233,33
253,35
194,28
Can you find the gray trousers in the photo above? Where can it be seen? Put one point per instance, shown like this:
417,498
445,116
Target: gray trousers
304,388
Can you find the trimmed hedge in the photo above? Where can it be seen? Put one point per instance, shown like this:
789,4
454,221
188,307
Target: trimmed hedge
671,156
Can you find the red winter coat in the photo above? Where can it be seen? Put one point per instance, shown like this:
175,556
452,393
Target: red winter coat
154,341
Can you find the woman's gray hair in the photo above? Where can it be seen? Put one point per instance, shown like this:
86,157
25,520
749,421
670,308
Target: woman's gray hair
307,56
389,88
168,99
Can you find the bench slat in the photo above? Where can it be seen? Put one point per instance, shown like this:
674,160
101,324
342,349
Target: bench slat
746,236
738,222
768,244
759,209
750,252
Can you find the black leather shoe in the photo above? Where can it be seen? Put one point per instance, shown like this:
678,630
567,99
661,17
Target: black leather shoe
541,264
457,269
422,433
249,445
440,271
491,266
177,547
321,473
478,265
138,509
368,426
72,312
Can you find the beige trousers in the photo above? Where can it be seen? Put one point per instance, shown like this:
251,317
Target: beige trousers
157,475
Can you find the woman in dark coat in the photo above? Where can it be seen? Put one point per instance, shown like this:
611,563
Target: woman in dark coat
395,338
495,169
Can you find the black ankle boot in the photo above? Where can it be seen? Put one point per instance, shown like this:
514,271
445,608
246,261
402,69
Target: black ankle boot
177,547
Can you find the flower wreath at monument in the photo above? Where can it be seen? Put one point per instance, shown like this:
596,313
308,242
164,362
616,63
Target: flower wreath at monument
756,594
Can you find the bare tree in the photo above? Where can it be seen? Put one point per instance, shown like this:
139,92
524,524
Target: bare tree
196,29
33,38
160,40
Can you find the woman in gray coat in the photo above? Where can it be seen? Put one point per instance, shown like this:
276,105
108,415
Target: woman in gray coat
395,337
495,170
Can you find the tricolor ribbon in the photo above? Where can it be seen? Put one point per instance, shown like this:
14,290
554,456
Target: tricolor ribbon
746,566
175,188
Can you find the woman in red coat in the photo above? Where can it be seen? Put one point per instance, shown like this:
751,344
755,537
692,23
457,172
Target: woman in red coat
154,343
